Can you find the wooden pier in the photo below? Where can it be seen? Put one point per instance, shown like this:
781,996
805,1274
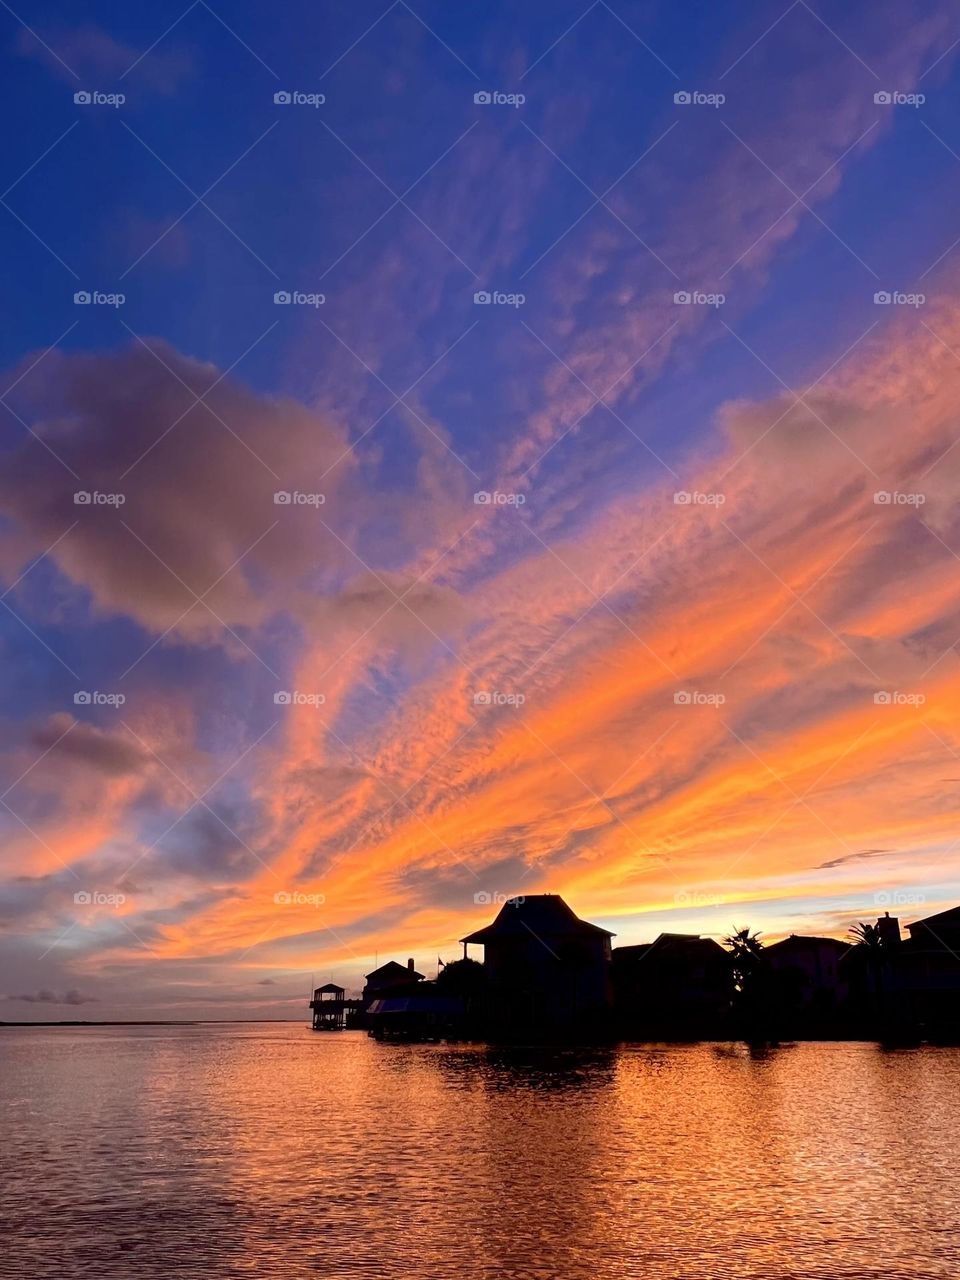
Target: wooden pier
330,1008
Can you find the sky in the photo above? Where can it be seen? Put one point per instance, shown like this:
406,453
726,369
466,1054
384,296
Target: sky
451,453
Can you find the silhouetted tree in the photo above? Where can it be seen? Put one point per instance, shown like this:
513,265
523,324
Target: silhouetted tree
465,980
751,985
867,935
461,978
746,950
868,941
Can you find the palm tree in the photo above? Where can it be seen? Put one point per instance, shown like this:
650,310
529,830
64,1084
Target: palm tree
751,988
867,935
869,943
745,952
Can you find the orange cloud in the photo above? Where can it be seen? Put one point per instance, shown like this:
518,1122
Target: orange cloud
811,626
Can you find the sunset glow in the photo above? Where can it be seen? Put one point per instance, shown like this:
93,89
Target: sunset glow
578,581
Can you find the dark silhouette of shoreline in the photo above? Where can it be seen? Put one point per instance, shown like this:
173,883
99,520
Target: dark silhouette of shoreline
151,1022
138,1022
548,976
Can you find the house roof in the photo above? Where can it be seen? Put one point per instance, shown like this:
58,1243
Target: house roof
949,919
540,914
416,1004
393,970
331,987
691,943
802,942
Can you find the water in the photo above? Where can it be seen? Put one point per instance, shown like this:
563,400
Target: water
271,1151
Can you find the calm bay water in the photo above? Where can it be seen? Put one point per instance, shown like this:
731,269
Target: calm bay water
272,1151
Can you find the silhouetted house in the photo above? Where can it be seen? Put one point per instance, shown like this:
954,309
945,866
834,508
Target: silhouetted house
388,979
928,974
873,975
678,986
808,986
329,1007
546,970
940,932
421,1016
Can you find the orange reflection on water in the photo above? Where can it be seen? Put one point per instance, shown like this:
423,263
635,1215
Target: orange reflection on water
271,1151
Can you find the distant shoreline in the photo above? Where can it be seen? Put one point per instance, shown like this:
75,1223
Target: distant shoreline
156,1022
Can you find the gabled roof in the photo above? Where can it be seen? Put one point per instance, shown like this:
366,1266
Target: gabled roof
541,915
329,987
675,943
949,919
636,951
393,970
685,942
802,942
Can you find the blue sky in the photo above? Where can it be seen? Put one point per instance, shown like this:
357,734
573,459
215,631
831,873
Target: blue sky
586,396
